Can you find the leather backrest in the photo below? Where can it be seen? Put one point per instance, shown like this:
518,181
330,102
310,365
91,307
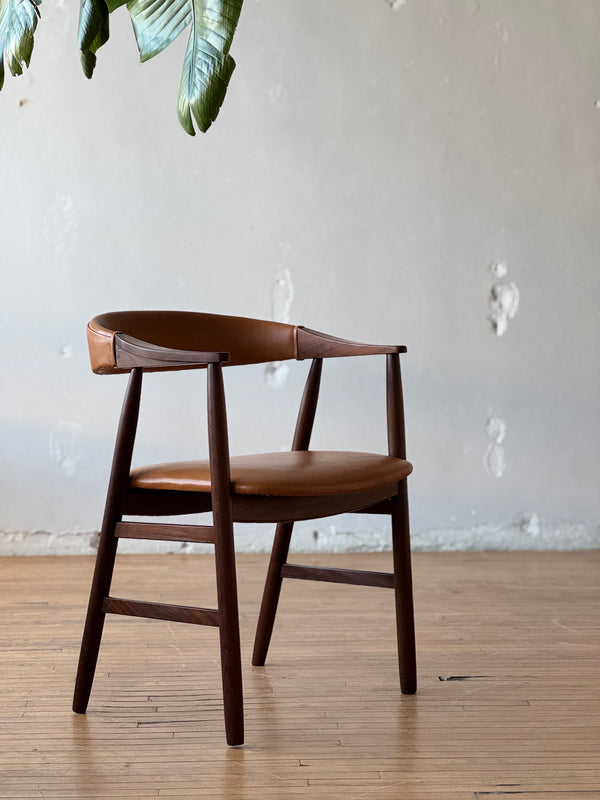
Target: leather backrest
248,341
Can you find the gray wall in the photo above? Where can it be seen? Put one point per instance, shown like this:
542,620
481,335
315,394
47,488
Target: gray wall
424,172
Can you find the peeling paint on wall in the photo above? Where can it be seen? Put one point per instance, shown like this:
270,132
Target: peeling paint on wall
511,536
504,304
502,35
276,374
282,297
526,532
327,538
64,446
499,269
493,460
531,524
503,301
502,32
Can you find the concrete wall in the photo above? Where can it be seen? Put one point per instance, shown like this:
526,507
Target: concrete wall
392,171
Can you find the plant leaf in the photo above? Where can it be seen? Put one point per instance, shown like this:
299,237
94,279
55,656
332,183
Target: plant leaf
93,32
207,66
18,21
157,23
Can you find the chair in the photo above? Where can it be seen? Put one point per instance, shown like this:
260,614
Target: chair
273,487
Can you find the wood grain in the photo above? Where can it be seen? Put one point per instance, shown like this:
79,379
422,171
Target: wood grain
515,635
361,577
315,344
166,532
166,611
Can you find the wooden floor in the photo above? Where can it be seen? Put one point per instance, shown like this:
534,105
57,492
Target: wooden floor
508,703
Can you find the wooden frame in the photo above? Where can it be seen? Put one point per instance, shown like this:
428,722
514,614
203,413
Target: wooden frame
135,355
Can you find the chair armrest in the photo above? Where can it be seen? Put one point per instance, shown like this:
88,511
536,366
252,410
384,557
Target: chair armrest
313,344
131,352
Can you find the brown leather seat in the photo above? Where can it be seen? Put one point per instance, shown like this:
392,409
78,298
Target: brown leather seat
302,473
270,487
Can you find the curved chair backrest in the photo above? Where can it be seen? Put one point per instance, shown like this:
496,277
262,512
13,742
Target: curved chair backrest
248,341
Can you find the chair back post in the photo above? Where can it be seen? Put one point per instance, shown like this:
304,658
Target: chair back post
119,475
395,407
218,446
308,407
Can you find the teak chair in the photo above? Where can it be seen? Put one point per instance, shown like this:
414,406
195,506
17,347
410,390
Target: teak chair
273,487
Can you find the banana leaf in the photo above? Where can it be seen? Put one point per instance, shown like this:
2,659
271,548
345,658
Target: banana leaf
207,65
18,21
93,32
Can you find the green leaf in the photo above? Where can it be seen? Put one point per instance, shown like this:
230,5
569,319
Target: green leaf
114,4
204,80
18,21
93,32
157,23
207,66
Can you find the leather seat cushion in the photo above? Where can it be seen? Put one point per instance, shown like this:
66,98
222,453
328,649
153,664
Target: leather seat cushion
288,474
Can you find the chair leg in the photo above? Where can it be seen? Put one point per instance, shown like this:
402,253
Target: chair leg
405,624
229,627
268,609
94,622
107,547
229,633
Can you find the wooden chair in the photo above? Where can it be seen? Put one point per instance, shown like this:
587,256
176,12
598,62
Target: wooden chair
273,487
